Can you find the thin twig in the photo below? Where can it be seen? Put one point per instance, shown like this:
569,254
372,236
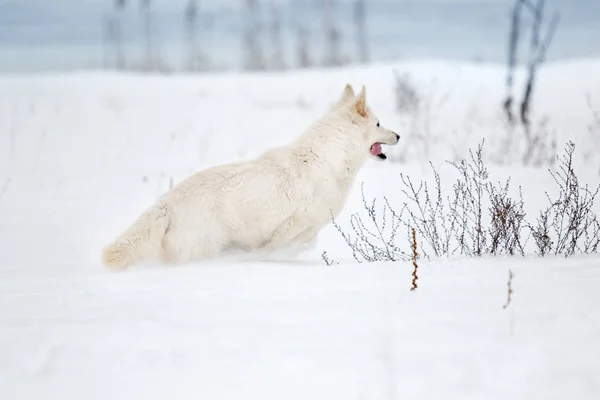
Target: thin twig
327,260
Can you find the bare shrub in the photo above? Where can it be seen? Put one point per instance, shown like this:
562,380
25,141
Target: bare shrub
507,221
407,99
469,191
540,145
568,225
458,225
377,241
418,110
425,214
535,145
478,218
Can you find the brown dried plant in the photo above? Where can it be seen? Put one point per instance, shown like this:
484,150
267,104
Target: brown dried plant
414,259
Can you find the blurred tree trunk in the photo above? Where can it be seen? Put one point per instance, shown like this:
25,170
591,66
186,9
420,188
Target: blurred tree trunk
191,16
332,35
302,46
116,34
145,10
360,21
277,55
253,54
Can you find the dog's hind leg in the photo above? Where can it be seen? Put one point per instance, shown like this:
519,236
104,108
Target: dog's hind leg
285,234
181,246
308,236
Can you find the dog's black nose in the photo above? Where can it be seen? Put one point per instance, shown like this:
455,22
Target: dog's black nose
397,137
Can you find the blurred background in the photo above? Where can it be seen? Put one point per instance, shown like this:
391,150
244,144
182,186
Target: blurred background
200,35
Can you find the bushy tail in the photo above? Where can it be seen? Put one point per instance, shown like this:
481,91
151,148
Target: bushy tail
141,240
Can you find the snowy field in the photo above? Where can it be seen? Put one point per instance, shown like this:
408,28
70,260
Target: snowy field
82,155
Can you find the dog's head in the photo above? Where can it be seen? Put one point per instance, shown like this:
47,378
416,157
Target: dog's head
373,134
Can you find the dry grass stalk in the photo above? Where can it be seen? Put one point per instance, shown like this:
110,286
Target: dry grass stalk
414,259
510,291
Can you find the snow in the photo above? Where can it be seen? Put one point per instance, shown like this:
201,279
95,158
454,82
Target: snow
82,154
301,330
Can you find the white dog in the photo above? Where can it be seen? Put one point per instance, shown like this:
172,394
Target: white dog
284,197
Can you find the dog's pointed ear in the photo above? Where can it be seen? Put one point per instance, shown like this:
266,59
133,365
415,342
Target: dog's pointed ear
346,96
348,92
360,103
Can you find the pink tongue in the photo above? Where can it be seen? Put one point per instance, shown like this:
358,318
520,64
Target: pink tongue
376,149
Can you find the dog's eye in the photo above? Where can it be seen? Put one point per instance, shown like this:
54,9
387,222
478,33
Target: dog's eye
378,124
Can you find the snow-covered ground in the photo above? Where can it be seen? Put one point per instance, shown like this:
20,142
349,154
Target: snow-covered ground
81,155
302,330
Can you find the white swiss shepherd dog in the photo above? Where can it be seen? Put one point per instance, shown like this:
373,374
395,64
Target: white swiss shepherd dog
282,198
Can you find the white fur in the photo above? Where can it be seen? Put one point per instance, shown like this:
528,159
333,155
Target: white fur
285,196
